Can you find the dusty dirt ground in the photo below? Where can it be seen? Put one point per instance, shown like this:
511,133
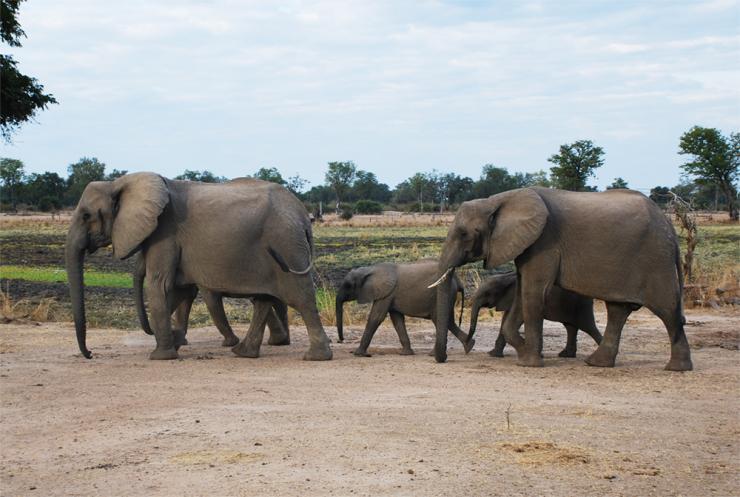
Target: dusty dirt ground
215,424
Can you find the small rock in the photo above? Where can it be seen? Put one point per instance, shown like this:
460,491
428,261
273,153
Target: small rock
410,471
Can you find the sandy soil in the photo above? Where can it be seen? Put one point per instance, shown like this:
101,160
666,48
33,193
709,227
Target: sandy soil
215,424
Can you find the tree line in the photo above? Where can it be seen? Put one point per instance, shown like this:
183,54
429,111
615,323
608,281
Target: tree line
708,181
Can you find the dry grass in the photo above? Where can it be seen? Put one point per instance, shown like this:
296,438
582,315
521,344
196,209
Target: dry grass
389,219
24,309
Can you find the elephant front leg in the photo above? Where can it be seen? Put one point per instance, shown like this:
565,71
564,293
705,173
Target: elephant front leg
606,353
377,315
250,345
161,324
399,323
571,346
465,339
277,322
498,348
215,304
183,301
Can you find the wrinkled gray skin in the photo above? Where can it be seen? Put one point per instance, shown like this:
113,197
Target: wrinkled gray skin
616,246
245,237
277,319
399,290
574,311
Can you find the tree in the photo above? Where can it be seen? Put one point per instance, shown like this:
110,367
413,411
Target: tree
49,187
367,187
202,176
538,178
618,184
661,195
21,96
11,174
296,184
115,174
575,163
495,180
716,160
81,173
418,183
340,177
270,174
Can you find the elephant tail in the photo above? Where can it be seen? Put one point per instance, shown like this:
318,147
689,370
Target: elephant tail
139,274
284,265
679,271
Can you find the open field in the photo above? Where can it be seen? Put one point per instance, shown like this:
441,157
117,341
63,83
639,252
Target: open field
215,424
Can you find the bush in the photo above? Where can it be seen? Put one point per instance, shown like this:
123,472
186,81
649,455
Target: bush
346,214
368,207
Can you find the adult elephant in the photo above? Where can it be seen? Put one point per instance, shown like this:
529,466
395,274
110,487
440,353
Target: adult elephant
182,303
244,237
616,246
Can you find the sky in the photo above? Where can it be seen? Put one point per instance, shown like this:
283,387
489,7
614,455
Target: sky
395,86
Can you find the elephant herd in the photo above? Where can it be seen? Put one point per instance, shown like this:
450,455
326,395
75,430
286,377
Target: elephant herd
253,239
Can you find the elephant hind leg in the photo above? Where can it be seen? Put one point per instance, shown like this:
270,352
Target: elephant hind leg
215,304
680,352
606,353
277,322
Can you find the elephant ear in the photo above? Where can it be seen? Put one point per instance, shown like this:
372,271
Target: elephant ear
516,223
379,282
141,198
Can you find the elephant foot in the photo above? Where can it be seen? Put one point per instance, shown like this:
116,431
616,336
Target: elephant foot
496,352
279,340
679,364
179,339
601,358
163,354
440,355
531,360
318,353
407,352
361,353
567,353
230,341
469,345
242,350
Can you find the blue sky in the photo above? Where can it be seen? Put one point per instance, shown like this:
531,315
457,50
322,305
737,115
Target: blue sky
396,86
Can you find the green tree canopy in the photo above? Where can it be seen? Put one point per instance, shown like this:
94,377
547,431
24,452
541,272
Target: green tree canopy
574,164
11,174
270,174
618,184
21,96
204,176
296,184
340,177
81,173
715,161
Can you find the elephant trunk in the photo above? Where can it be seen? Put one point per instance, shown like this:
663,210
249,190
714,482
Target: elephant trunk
473,318
139,274
444,290
340,316
74,253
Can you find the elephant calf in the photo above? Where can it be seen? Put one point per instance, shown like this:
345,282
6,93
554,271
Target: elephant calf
398,289
574,311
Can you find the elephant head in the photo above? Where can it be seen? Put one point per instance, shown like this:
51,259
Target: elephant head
496,230
366,285
123,212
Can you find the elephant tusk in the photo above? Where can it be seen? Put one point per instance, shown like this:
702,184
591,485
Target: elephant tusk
442,278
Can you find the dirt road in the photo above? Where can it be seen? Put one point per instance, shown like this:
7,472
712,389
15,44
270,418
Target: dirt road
215,424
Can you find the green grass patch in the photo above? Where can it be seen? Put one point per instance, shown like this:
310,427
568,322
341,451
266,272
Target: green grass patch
59,275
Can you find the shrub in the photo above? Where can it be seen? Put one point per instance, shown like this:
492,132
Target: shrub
368,207
48,203
346,214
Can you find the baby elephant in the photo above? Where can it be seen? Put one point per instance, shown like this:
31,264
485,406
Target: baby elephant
574,311
398,289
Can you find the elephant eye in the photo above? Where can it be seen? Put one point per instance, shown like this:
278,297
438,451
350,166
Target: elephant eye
86,216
